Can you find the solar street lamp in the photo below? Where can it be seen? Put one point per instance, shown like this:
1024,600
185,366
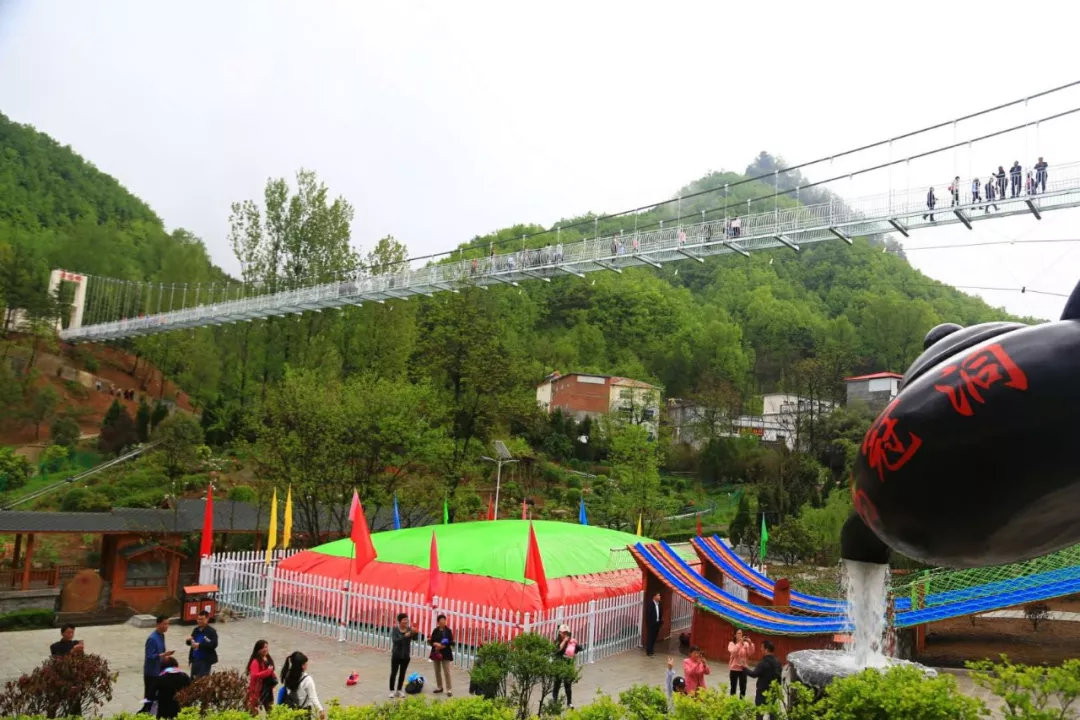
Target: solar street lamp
503,457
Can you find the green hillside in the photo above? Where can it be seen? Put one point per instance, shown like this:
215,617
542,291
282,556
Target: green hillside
405,397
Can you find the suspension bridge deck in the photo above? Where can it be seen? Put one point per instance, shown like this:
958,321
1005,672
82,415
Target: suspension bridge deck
902,212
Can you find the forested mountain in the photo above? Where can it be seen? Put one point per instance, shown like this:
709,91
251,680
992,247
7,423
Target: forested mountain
427,383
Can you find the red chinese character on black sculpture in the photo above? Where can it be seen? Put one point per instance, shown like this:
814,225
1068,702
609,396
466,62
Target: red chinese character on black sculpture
883,446
971,377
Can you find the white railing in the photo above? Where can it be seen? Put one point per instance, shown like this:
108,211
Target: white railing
364,615
733,588
758,229
682,612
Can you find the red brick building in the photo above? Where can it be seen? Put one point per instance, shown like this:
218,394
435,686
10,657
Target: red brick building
581,395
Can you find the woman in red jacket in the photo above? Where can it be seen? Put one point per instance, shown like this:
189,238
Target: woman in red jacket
261,679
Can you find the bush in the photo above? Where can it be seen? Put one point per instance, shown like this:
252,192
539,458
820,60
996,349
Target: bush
901,692
65,431
54,457
644,702
15,470
1031,692
29,619
219,691
70,685
513,671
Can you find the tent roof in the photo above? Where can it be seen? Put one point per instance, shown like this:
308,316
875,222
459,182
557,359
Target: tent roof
496,549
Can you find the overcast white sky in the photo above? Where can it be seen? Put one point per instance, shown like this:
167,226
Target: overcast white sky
439,121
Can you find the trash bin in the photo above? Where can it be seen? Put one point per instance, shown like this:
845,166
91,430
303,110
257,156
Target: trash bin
197,598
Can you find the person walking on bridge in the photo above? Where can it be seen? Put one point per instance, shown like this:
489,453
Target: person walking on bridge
1000,182
954,190
991,191
1016,173
931,202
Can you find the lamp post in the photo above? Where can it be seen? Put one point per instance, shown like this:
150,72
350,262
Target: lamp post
504,458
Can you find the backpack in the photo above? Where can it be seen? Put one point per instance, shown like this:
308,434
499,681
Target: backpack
289,699
415,684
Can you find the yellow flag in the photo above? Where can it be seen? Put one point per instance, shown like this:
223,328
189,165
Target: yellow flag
286,534
639,525
271,540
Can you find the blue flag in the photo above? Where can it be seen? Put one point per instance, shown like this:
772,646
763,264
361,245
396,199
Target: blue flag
397,518
582,518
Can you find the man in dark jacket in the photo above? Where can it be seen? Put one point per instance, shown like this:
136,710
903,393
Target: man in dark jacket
653,619
203,643
153,655
1016,174
767,672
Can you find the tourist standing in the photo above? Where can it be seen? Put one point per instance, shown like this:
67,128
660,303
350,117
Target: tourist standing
565,650
67,642
1041,174
767,672
1016,174
153,655
931,202
401,638
442,655
299,686
739,650
653,620
203,643
171,681
695,669
261,679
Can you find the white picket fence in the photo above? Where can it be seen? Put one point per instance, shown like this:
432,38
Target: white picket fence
682,613
365,614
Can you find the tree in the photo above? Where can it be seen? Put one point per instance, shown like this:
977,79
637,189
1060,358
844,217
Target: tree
142,421
54,457
791,542
15,470
742,524
161,411
178,439
41,407
117,430
65,431
635,467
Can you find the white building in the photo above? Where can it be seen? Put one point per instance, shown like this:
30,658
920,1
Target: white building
778,422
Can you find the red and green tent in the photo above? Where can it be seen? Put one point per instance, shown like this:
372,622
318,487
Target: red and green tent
484,562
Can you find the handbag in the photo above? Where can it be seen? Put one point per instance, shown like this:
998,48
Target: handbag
436,656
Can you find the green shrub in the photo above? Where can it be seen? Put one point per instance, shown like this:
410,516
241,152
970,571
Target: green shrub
65,431
76,389
31,618
1031,693
901,692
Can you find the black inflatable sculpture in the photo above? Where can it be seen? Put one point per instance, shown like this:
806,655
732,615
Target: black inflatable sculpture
976,461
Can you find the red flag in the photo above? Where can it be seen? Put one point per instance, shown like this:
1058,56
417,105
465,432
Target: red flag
524,510
352,507
207,546
534,566
434,578
699,526
491,508
363,550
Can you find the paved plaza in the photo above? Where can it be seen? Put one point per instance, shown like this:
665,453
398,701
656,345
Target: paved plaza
330,662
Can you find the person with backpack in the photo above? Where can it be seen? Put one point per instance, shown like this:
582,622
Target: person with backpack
565,650
299,688
171,681
261,678
442,655
401,638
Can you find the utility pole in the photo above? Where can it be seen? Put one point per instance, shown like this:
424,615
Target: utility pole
504,458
